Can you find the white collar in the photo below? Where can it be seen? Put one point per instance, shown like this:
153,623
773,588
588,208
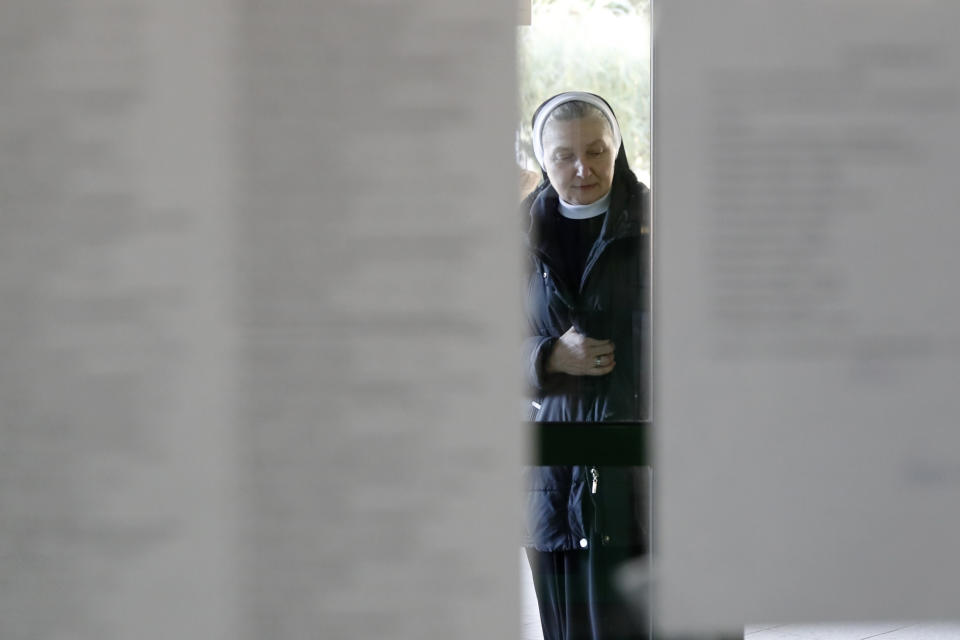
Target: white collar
584,211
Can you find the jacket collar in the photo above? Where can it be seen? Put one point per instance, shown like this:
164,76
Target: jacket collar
622,220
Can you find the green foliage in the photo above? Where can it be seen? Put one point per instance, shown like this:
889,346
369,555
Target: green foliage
601,46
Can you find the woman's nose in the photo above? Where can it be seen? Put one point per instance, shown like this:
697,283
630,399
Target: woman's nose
582,169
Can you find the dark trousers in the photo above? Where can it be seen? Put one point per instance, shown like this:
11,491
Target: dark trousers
577,598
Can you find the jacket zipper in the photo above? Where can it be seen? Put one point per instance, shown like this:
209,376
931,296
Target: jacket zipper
594,486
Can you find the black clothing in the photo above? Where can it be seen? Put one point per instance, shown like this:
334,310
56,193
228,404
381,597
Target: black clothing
575,538
577,598
608,302
574,239
583,521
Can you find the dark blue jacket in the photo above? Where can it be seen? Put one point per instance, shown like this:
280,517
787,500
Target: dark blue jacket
610,302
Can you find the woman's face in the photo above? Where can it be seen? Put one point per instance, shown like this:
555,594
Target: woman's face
579,155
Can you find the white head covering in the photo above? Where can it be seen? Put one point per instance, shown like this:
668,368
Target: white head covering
570,96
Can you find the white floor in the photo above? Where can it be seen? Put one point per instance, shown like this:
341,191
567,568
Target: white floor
530,624
862,631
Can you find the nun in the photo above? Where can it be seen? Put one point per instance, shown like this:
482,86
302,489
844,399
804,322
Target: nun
586,355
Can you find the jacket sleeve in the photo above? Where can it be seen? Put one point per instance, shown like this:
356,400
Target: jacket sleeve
536,350
536,346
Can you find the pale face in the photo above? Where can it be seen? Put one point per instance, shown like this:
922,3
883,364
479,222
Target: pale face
579,155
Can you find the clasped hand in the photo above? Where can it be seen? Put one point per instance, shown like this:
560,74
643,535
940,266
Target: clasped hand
577,355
